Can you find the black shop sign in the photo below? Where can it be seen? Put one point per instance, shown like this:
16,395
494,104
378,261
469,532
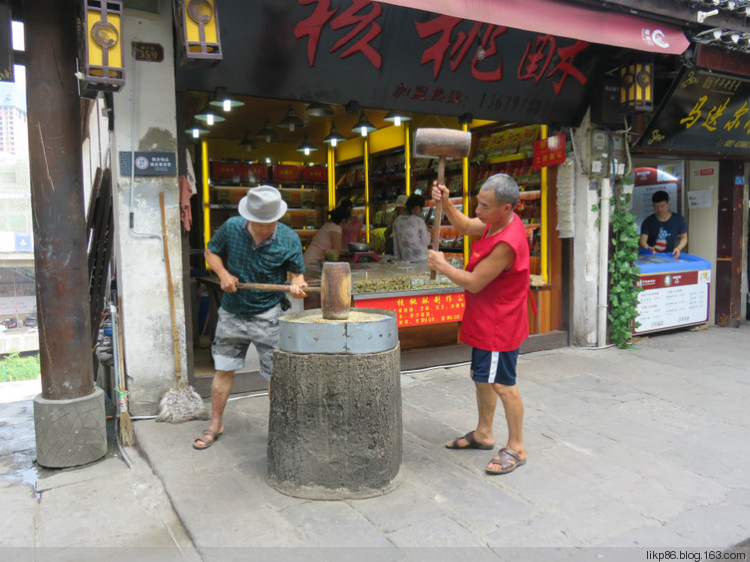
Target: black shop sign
389,57
703,112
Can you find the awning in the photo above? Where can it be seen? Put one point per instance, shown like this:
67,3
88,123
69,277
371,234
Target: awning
563,20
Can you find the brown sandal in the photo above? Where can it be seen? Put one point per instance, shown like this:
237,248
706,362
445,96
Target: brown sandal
472,443
206,444
508,459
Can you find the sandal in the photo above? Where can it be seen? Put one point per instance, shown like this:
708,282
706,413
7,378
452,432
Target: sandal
508,459
206,444
472,443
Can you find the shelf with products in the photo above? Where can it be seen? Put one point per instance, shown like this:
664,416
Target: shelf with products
303,188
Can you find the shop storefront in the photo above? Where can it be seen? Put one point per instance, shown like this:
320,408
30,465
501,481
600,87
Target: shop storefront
330,71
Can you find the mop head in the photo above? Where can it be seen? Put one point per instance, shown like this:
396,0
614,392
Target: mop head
180,404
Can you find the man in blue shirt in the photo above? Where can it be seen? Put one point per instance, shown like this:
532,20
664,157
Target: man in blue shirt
664,231
251,248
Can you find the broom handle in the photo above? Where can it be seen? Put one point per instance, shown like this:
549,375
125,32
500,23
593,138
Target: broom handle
274,288
175,335
438,213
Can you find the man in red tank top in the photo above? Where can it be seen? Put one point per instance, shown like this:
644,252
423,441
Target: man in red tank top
495,322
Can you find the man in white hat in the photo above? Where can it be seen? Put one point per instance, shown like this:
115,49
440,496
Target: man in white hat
251,248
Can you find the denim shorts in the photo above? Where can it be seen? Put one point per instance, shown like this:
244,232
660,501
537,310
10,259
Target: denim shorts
494,366
235,333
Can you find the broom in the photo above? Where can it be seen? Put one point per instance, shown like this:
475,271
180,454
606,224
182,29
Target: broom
127,435
181,403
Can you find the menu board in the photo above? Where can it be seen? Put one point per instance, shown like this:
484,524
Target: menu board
672,300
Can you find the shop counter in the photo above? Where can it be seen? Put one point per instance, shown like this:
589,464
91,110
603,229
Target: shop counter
675,291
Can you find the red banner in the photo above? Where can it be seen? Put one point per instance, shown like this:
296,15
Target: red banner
549,151
420,310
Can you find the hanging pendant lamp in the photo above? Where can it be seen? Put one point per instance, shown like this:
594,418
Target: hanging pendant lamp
291,121
267,133
316,109
209,116
195,130
248,143
307,147
397,117
363,126
222,100
334,137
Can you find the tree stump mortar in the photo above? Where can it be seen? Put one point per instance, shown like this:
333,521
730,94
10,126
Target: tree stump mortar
335,428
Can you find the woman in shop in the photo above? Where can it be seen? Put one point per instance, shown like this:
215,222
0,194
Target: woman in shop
328,238
352,227
410,234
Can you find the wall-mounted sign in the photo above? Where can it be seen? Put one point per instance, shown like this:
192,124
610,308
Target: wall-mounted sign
148,52
390,57
549,151
703,112
419,310
149,164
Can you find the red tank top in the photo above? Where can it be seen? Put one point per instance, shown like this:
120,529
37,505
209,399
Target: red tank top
496,318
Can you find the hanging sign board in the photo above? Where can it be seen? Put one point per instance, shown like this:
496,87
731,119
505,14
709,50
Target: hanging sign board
549,151
704,112
386,56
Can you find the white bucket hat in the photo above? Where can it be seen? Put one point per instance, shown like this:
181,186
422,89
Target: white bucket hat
262,204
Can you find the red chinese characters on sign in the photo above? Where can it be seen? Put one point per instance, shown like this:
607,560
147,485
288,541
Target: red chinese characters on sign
534,63
549,151
421,310
457,48
353,17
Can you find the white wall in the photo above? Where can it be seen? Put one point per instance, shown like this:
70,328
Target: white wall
142,279
585,269
703,175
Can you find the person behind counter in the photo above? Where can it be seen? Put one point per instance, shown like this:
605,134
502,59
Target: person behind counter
328,238
251,248
495,320
400,210
351,229
663,231
410,234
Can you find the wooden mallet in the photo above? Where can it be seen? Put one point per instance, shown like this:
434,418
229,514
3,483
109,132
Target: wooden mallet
441,143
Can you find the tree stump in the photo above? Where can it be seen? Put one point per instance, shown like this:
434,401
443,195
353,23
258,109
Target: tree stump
335,429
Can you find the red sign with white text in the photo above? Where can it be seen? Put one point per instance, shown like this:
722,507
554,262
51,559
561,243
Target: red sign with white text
420,310
549,151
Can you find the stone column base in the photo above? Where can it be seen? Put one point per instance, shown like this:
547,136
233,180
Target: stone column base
70,432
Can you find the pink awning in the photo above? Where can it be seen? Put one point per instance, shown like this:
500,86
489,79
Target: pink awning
563,20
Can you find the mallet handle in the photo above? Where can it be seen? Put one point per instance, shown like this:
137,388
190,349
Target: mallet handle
274,288
438,213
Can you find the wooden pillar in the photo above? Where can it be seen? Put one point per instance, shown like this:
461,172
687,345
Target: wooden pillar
60,253
728,275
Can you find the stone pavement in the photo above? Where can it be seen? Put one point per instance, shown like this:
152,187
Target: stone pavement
79,513
647,447
640,448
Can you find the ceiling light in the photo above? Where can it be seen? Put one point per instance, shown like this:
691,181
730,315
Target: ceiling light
396,117
363,126
196,130
209,116
267,133
333,137
316,109
307,147
291,121
247,143
222,100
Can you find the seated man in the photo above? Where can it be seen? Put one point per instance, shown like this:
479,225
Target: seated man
664,231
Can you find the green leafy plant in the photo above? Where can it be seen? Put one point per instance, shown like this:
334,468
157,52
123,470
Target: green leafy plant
17,368
623,292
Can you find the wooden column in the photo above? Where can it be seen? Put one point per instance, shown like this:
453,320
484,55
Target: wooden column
728,275
60,252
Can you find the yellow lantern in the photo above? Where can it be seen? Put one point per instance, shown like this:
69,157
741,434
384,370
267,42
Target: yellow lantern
199,31
102,45
636,87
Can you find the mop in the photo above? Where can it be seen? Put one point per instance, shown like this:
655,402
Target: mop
181,403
